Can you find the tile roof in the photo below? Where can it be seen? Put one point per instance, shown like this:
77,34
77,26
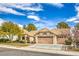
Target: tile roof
60,31
55,31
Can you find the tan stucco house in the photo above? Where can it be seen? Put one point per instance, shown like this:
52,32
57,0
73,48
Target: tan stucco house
46,36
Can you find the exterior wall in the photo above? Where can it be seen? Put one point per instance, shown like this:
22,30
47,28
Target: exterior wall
54,39
36,39
61,40
31,39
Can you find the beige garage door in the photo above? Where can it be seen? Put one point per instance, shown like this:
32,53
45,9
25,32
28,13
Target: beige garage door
45,39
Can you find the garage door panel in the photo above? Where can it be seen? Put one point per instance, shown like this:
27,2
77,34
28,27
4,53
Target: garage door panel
45,40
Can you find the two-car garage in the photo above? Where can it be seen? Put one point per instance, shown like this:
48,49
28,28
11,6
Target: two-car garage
45,39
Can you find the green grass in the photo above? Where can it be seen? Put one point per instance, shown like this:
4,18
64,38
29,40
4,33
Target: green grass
16,44
75,49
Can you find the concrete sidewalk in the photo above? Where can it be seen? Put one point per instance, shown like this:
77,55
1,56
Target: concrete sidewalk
43,50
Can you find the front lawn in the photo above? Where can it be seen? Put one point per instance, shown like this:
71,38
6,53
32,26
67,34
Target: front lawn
16,44
75,49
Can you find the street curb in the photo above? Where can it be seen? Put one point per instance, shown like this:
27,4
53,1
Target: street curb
43,50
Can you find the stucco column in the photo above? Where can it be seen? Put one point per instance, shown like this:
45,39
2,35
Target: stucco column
55,40
21,37
31,39
36,38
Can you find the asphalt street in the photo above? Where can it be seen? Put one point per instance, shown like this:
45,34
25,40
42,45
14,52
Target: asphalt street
15,52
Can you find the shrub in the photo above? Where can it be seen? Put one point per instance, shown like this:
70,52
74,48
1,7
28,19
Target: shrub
68,42
20,41
4,40
75,49
16,40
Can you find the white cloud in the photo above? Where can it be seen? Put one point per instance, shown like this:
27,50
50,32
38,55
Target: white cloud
45,24
77,10
32,9
33,17
28,6
31,13
3,20
9,10
21,26
71,19
60,5
75,19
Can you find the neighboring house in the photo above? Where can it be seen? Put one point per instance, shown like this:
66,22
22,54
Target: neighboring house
46,36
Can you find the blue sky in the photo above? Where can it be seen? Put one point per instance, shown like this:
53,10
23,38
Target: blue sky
41,14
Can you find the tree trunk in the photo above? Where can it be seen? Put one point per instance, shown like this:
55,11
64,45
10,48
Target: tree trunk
11,37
